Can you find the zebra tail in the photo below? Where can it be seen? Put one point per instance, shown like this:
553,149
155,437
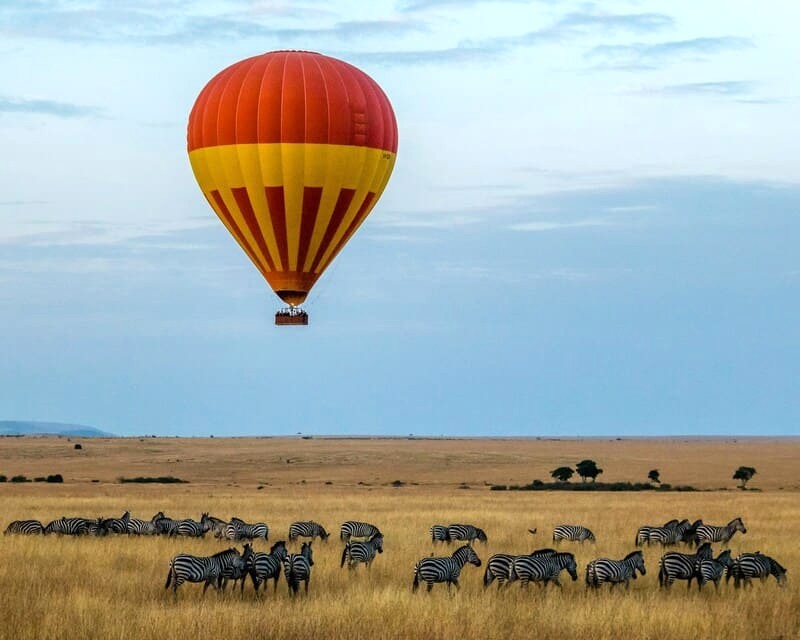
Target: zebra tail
512,573
415,586
344,554
169,577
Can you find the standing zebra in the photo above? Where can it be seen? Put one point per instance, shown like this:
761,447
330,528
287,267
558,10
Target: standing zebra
238,529
208,569
355,552
668,535
498,566
542,568
25,527
297,568
573,532
614,571
266,566
192,528
307,529
164,525
754,565
237,571
68,527
430,570
117,525
681,566
354,529
690,535
137,527
711,570
466,532
439,533
710,533
643,533
97,527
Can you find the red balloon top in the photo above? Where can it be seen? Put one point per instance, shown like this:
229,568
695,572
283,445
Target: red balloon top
292,96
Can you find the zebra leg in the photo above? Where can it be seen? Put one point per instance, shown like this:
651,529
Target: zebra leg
305,583
430,586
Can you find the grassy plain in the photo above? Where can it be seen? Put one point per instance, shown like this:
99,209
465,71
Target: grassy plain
113,587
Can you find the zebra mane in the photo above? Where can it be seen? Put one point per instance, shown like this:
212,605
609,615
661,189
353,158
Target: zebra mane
277,545
226,552
632,554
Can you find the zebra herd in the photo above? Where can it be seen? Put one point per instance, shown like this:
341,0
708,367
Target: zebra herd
364,541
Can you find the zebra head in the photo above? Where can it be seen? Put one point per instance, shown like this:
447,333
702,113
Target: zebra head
567,561
590,538
377,542
305,551
636,560
247,556
205,522
279,550
778,571
737,525
323,534
160,515
467,554
481,535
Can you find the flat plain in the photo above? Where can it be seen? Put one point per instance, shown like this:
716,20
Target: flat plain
113,587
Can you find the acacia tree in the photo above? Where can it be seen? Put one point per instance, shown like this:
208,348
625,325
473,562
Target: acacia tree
743,475
588,469
654,476
562,474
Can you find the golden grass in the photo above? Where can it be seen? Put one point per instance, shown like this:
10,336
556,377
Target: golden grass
114,587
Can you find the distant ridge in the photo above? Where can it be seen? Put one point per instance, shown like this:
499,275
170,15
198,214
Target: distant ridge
34,428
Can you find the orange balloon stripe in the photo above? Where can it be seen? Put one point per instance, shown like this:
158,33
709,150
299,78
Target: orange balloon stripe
225,214
311,200
277,213
363,211
342,205
246,209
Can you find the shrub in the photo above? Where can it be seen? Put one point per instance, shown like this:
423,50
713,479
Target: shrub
19,479
57,477
3,478
151,479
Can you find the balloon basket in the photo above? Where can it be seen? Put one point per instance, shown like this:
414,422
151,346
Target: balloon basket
291,315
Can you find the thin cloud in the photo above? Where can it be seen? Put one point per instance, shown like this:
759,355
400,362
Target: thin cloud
557,226
646,56
424,5
49,108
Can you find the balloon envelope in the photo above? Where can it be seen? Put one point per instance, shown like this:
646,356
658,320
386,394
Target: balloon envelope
292,150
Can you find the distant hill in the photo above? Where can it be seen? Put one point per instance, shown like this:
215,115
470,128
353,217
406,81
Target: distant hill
31,428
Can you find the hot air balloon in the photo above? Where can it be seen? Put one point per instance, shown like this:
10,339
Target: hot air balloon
292,149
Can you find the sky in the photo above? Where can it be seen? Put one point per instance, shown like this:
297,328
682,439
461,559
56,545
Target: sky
591,228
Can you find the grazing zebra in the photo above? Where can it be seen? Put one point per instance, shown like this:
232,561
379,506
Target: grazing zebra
681,566
68,527
307,529
711,570
439,533
237,571
542,568
574,532
137,527
297,568
117,525
164,525
354,529
355,552
710,533
430,570
754,565
240,530
498,566
96,527
25,527
466,532
266,566
208,569
192,528
614,571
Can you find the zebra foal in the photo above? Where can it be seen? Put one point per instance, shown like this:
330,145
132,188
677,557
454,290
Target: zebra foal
307,529
362,552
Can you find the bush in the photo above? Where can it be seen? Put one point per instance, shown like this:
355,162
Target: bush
39,479
78,446
150,479
19,479
3,478
55,478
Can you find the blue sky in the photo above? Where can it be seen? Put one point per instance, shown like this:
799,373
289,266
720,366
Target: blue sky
591,229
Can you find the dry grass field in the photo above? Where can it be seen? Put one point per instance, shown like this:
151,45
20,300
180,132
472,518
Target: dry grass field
114,587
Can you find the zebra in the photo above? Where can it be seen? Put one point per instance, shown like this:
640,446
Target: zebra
252,531
711,570
237,571
307,529
668,535
192,528
681,566
355,552
430,570
216,525
266,566
499,566
354,529
208,569
68,526
164,525
25,527
439,533
137,527
615,571
466,532
97,527
542,568
754,565
297,568
710,533
690,535
574,532
117,525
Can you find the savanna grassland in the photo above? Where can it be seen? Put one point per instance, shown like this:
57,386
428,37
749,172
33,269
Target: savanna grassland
113,587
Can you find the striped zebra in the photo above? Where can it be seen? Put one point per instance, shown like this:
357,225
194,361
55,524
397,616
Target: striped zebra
307,529
615,571
681,566
216,525
297,568
354,529
542,568
24,527
364,552
447,569
238,529
710,533
668,535
96,527
711,570
164,526
208,569
573,532
191,528
466,532
266,566
754,565
439,533
498,566
137,527
117,525
690,535
68,527
237,571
